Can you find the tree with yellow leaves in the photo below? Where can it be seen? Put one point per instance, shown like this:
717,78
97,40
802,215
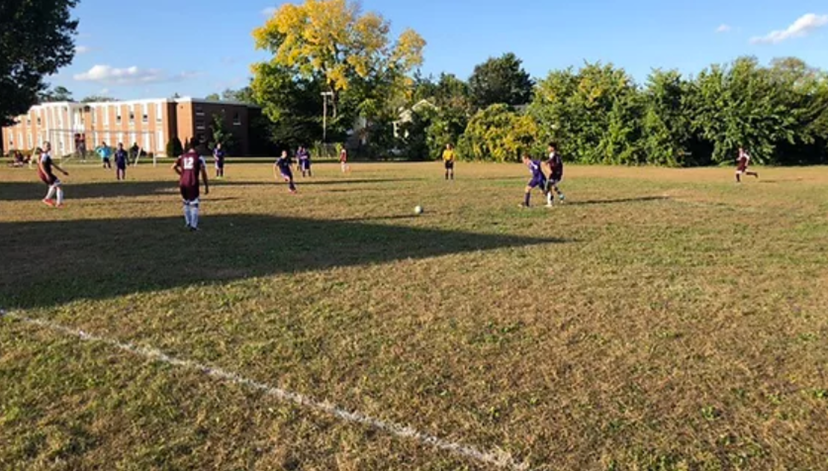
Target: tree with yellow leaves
334,43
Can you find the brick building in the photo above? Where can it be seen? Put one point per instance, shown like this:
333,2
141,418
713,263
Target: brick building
149,123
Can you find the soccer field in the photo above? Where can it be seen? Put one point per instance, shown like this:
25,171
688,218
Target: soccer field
661,319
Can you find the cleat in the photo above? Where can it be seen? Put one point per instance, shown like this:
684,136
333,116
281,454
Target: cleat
49,203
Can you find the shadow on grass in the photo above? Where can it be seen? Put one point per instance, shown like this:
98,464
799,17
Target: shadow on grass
642,199
60,261
34,190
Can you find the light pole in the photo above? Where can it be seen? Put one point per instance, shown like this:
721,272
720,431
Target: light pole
325,96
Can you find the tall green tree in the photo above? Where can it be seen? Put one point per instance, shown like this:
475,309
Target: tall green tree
666,121
219,134
36,40
500,80
739,105
56,94
593,114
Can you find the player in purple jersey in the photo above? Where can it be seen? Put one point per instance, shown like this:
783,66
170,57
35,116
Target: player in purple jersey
538,178
555,166
44,171
189,168
121,159
218,156
304,159
282,168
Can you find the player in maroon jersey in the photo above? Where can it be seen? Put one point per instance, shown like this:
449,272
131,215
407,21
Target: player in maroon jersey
44,171
190,167
742,165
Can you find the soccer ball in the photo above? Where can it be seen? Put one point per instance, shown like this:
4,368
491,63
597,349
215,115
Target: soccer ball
418,210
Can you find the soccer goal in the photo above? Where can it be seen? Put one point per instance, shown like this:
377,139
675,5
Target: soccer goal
70,144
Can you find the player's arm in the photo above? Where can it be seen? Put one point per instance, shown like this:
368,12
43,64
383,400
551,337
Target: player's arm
177,167
60,169
204,179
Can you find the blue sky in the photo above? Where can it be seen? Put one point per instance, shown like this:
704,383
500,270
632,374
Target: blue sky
196,47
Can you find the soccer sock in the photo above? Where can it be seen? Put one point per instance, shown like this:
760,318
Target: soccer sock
187,214
51,193
526,198
194,216
59,196
549,198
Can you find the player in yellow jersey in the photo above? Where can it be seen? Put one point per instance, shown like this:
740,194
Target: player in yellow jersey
448,159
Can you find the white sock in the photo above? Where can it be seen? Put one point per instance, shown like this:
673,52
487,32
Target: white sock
59,196
194,216
51,193
549,198
187,214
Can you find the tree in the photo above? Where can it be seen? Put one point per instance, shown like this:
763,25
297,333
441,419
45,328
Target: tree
220,134
35,41
97,99
499,134
500,80
739,105
293,105
333,43
56,94
242,95
593,114
174,148
213,97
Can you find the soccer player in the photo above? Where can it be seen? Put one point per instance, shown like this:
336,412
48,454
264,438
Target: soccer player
743,162
44,171
555,166
538,178
282,166
189,168
218,156
448,160
121,160
304,158
105,152
343,160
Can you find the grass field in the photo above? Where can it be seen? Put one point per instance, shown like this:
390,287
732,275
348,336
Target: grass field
660,320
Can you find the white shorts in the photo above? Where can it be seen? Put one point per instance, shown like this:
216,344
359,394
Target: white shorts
194,202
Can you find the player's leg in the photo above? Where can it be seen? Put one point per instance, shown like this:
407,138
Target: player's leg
738,176
185,198
59,192
527,194
50,194
194,207
754,174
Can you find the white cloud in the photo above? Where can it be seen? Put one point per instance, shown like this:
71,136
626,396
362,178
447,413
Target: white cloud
82,49
805,25
104,91
723,28
109,75
269,11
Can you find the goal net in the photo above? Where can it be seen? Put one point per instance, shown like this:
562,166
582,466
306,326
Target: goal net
70,144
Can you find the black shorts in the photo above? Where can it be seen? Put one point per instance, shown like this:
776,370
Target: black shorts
189,193
449,165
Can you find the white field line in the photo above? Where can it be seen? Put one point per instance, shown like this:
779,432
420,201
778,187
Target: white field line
497,458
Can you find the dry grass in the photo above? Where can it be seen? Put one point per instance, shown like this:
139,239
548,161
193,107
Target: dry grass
662,319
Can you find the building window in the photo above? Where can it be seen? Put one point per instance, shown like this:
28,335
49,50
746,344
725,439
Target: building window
236,119
93,113
199,111
145,115
106,115
38,120
31,141
131,117
199,124
159,114
28,120
118,115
